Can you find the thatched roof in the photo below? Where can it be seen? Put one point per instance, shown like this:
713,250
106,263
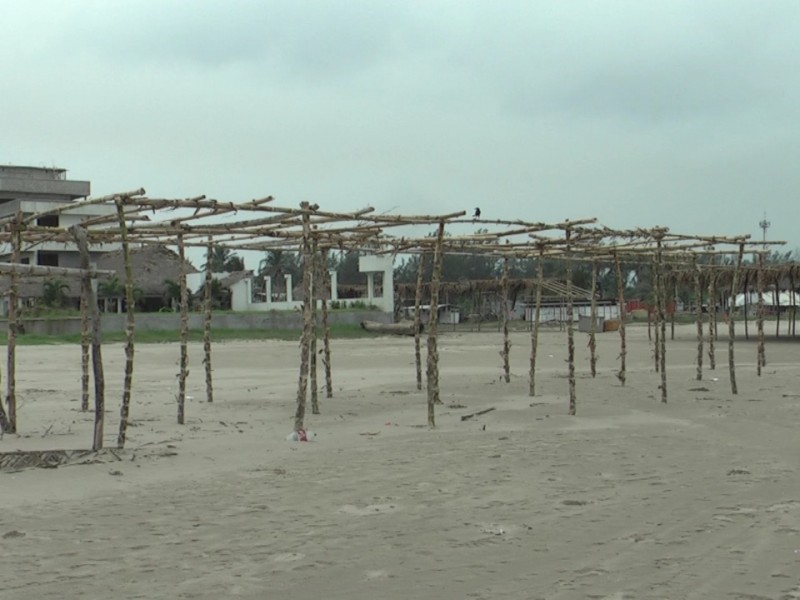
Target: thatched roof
151,265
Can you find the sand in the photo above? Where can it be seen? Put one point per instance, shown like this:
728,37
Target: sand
631,498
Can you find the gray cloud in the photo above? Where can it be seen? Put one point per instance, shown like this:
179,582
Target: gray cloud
640,113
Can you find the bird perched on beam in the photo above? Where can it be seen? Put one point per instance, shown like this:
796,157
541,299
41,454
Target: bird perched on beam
477,214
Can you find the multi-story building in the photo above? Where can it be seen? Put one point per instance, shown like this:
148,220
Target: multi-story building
33,190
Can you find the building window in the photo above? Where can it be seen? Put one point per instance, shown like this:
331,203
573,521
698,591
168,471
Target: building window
47,221
47,259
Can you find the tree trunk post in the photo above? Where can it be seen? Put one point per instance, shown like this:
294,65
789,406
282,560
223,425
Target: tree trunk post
746,303
674,306
326,328
129,326
621,375
712,316
657,313
698,292
761,358
731,320
776,299
662,318
418,319
208,311
312,349
184,300
570,324
97,356
537,314
506,342
593,328
13,327
433,323
305,340
86,283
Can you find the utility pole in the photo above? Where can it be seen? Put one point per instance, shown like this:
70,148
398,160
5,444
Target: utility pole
764,225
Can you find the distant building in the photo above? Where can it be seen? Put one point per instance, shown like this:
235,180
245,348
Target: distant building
37,189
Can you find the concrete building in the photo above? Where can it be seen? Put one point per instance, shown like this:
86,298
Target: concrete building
32,190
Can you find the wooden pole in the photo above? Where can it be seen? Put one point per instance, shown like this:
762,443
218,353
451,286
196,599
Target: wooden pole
184,308
761,357
656,313
746,303
731,320
793,300
433,322
86,283
674,307
698,293
506,342
129,325
13,327
326,328
662,318
621,309
305,340
537,314
79,233
776,300
593,328
712,317
570,324
418,319
208,311
313,344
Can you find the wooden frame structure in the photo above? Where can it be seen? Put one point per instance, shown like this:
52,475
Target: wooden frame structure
262,225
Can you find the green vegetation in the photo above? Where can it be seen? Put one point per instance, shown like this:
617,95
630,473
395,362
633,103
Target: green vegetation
217,335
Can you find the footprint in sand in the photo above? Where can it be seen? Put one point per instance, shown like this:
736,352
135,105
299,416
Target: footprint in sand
288,557
369,509
377,574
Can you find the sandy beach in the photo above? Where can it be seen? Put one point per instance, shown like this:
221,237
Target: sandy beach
629,499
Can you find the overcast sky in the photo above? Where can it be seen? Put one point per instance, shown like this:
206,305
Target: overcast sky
640,113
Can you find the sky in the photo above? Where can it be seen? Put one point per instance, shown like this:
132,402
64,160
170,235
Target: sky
676,113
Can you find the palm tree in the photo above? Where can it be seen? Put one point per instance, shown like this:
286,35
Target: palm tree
53,293
225,260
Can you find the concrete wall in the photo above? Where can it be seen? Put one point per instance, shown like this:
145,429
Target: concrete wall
171,321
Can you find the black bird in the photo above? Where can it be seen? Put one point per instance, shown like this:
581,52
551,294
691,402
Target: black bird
477,213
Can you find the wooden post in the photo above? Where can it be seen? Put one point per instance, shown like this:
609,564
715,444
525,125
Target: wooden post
776,300
13,327
761,357
731,320
418,319
537,314
662,318
621,304
746,303
305,340
698,292
97,356
570,324
506,342
86,283
433,322
674,306
312,349
593,328
656,291
712,316
326,328
208,310
129,325
184,300
793,300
